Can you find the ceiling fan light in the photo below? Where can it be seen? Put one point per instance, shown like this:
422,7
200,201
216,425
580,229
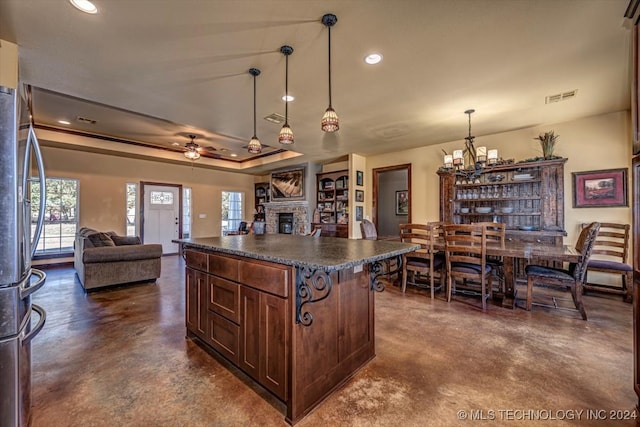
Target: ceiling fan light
330,121
254,146
192,154
286,135
192,149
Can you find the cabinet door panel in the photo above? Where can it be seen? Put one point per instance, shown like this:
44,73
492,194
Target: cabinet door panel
196,304
224,336
274,344
224,298
250,331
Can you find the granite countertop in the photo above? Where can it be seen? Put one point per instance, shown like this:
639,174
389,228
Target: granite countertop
321,253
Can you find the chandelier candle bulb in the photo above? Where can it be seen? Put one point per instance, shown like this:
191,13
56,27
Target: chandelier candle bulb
448,161
457,158
481,154
492,157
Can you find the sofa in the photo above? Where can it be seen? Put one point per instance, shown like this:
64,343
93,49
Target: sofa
105,259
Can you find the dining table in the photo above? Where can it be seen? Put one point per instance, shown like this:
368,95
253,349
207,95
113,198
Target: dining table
512,251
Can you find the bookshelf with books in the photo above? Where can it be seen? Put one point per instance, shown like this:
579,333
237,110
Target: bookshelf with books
261,197
332,203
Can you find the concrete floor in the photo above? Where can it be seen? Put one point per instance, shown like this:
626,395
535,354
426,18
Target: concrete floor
120,358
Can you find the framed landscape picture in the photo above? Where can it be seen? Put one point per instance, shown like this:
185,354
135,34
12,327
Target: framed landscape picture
598,189
359,178
287,185
359,196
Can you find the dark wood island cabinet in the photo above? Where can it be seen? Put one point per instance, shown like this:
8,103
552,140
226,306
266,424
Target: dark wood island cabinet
294,313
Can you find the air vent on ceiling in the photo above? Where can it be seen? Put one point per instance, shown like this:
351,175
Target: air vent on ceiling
86,121
560,96
275,118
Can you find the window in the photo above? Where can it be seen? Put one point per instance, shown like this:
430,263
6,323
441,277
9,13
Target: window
60,215
186,213
132,204
231,211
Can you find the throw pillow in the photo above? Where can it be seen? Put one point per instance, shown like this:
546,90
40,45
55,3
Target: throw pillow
126,240
100,239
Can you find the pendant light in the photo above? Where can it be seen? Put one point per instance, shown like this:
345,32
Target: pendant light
286,134
254,146
330,122
192,149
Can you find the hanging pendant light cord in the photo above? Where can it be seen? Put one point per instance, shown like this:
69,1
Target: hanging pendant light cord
329,66
254,106
286,90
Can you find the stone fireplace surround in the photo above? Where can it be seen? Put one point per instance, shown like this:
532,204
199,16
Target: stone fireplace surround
299,209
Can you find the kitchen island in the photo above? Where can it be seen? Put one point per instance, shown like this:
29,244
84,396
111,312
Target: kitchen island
295,313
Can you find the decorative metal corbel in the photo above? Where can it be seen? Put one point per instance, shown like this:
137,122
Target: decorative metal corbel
378,269
310,282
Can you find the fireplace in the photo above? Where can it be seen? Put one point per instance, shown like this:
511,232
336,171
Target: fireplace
285,223
299,212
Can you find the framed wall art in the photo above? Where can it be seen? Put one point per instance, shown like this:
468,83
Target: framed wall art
287,185
359,213
359,178
599,189
359,196
402,202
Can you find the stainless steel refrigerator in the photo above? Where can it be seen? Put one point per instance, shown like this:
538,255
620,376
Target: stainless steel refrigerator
19,158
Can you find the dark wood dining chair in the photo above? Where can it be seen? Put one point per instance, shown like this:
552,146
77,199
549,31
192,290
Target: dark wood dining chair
426,260
572,278
466,258
495,234
609,256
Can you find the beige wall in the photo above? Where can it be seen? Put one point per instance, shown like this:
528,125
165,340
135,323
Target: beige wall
103,181
8,64
600,142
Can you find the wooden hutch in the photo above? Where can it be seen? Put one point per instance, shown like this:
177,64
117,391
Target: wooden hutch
528,197
332,203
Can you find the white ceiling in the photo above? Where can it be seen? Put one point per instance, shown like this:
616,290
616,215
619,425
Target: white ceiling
182,66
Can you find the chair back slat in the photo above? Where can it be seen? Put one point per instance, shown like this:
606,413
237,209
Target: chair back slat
612,242
465,243
422,234
584,245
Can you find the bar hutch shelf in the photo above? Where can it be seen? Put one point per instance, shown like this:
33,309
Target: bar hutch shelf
527,197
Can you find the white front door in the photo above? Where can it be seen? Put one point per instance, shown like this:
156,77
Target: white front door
162,216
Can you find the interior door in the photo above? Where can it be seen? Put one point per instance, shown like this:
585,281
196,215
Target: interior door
389,184
162,216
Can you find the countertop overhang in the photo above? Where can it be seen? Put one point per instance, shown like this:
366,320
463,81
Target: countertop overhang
320,253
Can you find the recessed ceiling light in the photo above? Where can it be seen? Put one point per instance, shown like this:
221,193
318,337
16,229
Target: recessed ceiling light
373,58
175,144
234,155
288,98
64,122
84,5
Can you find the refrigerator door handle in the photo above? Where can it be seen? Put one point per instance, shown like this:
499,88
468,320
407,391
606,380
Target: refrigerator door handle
25,290
43,189
43,317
